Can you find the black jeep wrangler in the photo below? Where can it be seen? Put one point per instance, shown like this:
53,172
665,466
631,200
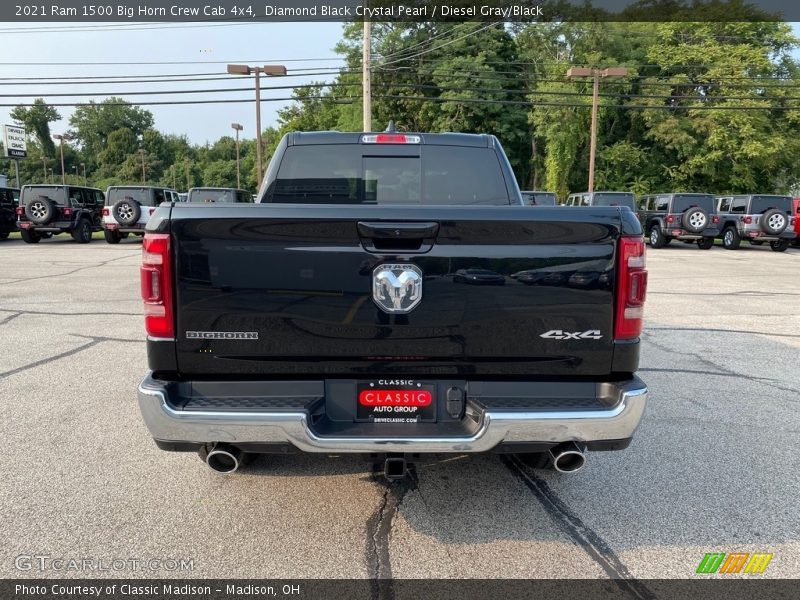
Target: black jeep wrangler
686,217
46,210
8,204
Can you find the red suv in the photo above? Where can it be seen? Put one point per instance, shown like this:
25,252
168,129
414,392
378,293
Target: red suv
796,213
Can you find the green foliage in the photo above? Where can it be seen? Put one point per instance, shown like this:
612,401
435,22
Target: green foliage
94,123
36,120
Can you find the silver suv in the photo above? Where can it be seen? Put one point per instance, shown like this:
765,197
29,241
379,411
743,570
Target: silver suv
757,218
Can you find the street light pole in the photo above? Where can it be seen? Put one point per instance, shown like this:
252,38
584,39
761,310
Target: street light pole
238,127
61,137
595,74
144,176
269,70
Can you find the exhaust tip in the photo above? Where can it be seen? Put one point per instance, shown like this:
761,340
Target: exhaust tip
224,459
568,458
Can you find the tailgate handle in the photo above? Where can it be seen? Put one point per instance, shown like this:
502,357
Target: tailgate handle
383,236
397,231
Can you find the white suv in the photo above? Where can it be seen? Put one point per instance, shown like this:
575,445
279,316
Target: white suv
128,208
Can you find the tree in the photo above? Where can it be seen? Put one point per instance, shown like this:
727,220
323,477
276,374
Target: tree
36,120
95,122
120,145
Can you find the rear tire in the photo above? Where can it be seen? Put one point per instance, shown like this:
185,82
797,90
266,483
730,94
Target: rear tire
706,243
779,246
112,237
82,232
656,237
30,237
730,238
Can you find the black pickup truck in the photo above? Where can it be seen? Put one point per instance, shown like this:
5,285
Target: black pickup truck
328,317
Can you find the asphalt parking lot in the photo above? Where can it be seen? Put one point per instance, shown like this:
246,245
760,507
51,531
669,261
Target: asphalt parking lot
713,467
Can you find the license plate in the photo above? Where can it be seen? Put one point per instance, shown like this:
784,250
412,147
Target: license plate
413,403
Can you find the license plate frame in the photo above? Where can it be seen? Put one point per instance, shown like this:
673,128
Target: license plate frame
396,411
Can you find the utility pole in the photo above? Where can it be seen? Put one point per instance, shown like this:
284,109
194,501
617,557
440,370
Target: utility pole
366,81
44,166
269,70
174,180
75,168
238,127
85,181
144,175
596,74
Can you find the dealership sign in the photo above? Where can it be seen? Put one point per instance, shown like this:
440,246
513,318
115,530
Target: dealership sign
14,141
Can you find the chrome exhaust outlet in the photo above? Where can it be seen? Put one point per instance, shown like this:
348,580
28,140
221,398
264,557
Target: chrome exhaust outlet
223,458
568,458
395,468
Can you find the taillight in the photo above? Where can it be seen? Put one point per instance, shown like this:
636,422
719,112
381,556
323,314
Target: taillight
715,219
156,280
20,211
106,212
152,210
670,219
67,212
631,288
748,219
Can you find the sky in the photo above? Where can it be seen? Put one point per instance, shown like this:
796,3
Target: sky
201,50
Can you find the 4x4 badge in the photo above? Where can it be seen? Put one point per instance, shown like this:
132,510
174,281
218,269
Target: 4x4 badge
558,334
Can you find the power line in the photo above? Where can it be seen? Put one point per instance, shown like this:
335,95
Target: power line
353,99
582,105
173,62
453,41
159,103
219,77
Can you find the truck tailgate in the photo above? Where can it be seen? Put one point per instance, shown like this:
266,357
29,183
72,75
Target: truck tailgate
280,290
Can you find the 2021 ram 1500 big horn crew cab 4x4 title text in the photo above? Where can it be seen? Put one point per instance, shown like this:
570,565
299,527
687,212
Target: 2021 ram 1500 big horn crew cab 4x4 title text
326,318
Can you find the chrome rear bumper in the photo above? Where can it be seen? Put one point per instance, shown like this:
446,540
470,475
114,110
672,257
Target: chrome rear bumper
168,423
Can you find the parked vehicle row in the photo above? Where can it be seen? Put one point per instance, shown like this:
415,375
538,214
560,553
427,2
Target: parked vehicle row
702,218
41,211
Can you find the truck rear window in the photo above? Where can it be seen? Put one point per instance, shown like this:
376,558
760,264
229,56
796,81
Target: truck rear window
683,201
614,200
142,195
218,195
760,204
539,198
359,174
51,192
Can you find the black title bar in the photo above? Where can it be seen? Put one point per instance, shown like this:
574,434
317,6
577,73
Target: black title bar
508,11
